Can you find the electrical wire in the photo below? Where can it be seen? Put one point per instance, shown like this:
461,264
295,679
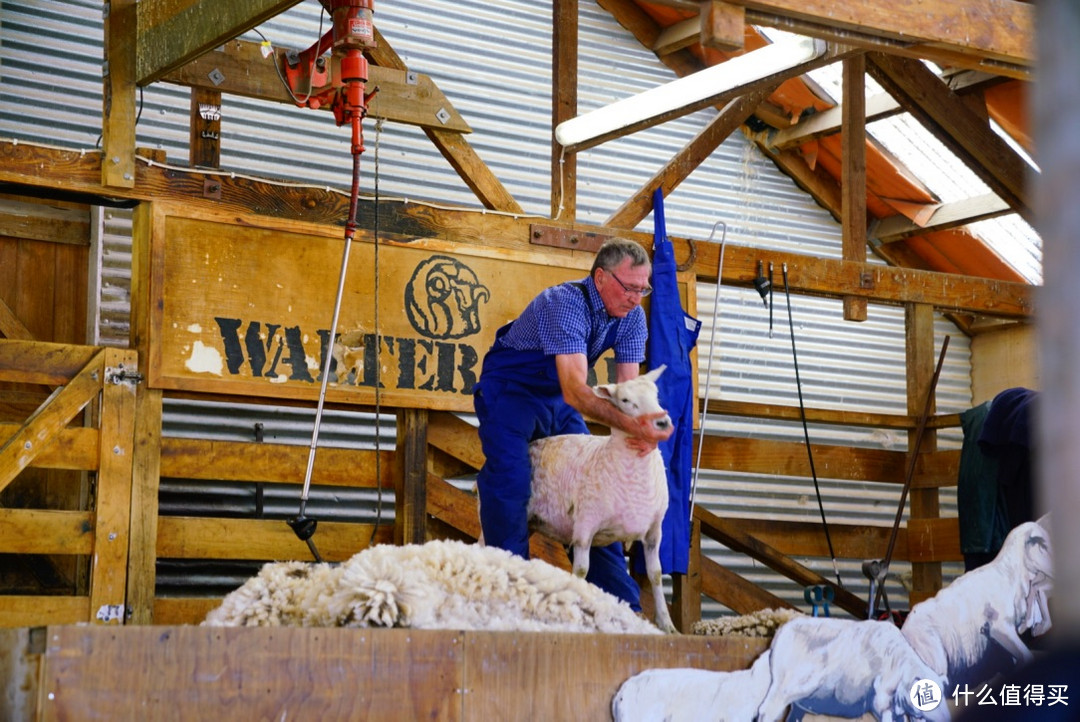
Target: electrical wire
806,431
708,369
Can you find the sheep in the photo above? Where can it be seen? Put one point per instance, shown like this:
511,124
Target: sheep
846,668
437,585
693,695
955,630
595,490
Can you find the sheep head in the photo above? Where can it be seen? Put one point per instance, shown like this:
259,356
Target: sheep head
637,397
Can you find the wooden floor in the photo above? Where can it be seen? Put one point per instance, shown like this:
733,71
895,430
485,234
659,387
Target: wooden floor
190,672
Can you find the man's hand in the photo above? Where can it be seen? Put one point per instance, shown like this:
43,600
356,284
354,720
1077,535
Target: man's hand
645,436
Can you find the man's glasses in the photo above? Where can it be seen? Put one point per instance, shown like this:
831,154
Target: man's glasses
643,292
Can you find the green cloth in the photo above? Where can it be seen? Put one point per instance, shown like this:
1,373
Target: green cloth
983,524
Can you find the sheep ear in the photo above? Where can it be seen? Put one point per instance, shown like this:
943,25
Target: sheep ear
605,391
655,373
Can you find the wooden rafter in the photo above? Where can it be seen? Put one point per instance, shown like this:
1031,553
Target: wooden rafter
173,34
951,215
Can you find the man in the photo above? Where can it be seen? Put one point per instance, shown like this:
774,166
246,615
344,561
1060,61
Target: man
534,385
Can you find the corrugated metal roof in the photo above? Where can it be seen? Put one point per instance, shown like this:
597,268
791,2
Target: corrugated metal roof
493,63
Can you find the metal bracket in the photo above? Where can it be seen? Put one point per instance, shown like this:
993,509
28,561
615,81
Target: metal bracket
211,188
121,375
866,280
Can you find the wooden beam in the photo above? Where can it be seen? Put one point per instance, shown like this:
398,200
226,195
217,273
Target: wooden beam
564,106
173,34
964,132
723,25
10,325
118,95
676,37
1002,31
53,221
951,215
241,69
686,161
451,434
204,139
735,592
262,539
831,55
410,477
853,175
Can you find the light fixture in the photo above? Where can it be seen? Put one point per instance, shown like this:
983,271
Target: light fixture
719,83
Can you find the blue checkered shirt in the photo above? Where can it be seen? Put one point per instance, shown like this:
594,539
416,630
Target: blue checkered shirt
558,321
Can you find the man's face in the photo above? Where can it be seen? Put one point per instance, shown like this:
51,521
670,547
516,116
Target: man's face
613,286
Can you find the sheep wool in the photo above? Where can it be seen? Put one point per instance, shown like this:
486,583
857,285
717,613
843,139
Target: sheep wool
437,585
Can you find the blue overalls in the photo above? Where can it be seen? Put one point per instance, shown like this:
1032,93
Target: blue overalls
518,400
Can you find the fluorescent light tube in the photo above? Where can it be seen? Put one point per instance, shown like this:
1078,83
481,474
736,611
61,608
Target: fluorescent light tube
687,94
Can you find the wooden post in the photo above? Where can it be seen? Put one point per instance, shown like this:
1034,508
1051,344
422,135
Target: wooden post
204,143
112,509
564,76
686,588
1058,213
853,175
921,362
118,96
410,479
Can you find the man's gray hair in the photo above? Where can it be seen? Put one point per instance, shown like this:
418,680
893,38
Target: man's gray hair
615,250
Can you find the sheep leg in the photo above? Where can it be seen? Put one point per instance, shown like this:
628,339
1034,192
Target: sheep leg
653,569
1005,635
582,550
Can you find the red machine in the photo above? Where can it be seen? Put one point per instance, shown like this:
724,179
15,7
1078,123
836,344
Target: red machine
339,81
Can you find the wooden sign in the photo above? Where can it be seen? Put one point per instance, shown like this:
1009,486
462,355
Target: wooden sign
244,306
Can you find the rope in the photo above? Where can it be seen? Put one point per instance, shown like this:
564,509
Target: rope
806,431
378,366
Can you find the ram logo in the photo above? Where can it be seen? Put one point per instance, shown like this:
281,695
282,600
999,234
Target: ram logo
442,299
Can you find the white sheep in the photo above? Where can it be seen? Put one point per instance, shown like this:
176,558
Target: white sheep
595,490
437,585
846,668
954,630
693,695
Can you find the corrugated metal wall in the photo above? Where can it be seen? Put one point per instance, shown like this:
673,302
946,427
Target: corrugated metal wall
492,60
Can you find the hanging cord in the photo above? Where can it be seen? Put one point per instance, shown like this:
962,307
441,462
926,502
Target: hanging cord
378,366
708,368
301,524
806,431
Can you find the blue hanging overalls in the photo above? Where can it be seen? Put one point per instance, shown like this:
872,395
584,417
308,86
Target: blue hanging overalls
518,400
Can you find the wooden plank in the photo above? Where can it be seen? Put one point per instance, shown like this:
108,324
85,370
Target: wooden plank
35,362
262,539
949,215
112,510
187,610
404,96
54,221
275,463
22,447
716,528
33,611
687,588
853,176
837,417
10,325
145,487
677,36
410,477
464,159
204,138
507,673
455,436
172,34
45,531
735,592
118,100
251,674
564,105
20,652
71,448
723,25
952,121
934,540
687,160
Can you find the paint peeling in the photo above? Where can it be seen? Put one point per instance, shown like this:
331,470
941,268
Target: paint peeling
195,328
204,360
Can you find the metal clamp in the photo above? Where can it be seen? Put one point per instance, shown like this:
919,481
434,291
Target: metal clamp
122,375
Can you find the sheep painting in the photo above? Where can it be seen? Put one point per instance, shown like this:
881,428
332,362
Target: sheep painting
595,490
955,630
438,585
845,668
693,695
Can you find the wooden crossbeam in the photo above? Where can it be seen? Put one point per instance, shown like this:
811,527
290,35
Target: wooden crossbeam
59,409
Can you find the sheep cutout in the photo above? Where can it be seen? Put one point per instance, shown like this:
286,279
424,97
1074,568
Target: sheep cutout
995,603
846,668
693,695
595,490
437,585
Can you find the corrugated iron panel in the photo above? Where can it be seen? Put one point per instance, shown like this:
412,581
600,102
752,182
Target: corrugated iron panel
493,63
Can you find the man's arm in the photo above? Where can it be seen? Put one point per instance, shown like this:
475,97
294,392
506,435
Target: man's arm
573,372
